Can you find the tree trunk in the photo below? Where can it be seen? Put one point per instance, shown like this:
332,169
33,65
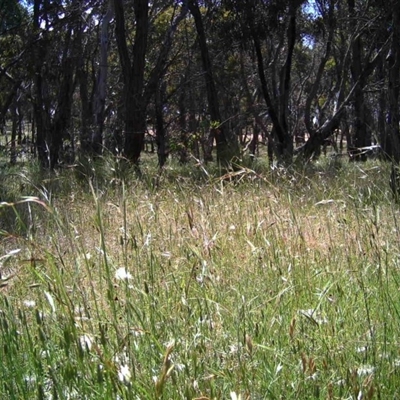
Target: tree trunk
137,94
42,122
20,123
14,118
40,115
86,111
361,137
133,74
394,89
183,136
317,138
161,135
227,146
101,84
62,117
285,149
382,108
277,110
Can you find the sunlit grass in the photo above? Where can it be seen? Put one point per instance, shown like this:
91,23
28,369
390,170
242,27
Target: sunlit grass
188,285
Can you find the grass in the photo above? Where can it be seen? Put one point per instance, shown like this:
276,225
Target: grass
262,285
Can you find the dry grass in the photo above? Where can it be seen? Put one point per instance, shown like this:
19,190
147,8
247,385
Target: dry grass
270,285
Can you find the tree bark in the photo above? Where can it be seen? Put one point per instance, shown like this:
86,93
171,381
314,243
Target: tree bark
101,84
133,76
393,64
42,124
227,146
310,147
161,134
137,93
278,110
14,119
361,137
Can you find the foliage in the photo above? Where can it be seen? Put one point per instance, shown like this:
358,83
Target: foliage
132,290
276,67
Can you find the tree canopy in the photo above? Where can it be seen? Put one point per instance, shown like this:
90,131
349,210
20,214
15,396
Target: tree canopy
78,78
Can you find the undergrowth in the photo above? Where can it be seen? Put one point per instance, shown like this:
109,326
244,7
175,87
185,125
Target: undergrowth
195,284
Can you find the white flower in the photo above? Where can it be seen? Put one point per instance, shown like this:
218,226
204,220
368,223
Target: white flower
29,303
278,368
396,363
80,314
124,374
235,396
122,273
148,240
179,367
365,370
233,348
30,379
86,342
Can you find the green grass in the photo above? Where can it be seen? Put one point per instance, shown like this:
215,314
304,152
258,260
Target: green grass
261,285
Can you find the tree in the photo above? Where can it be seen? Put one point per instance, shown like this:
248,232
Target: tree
271,27
227,147
138,90
343,93
101,85
58,34
12,53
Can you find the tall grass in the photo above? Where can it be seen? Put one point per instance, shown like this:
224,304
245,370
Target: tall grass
254,285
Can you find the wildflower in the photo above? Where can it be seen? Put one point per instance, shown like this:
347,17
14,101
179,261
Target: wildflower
396,363
30,379
122,273
233,348
80,314
86,342
147,241
365,370
278,368
124,374
29,303
235,396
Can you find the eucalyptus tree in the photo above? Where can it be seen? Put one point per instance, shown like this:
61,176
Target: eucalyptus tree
393,81
345,28
270,27
226,140
140,79
58,33
13,38
362,137
100,92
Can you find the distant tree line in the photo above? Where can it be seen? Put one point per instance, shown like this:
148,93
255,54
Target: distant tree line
78,78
